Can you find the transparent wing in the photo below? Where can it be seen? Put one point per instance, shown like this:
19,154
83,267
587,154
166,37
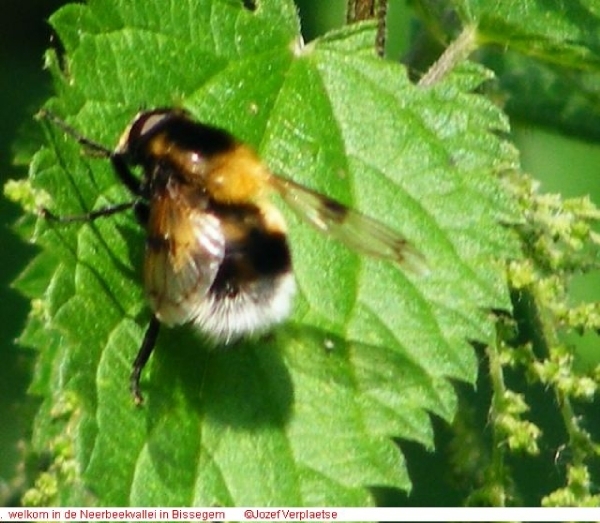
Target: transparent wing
357,231
185,247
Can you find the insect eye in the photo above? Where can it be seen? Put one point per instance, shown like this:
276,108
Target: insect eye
145,125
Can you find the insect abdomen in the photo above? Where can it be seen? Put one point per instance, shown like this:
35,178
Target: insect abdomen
254,286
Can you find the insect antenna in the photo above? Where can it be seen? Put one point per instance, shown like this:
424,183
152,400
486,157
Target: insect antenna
95,148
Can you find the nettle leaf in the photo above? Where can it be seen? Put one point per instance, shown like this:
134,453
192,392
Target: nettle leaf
305,416
550,77
562,98
555,30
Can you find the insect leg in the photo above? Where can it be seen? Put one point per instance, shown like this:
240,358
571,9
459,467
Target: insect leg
94,147
118,161
130,181
142,358
142,212
89,216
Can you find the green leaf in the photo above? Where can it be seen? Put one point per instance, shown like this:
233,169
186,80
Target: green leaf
561,98
307,415
550,74
557,31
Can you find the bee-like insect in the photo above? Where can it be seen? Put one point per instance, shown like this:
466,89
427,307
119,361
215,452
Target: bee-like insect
217,253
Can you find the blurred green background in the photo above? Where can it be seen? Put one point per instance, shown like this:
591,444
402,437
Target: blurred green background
563,165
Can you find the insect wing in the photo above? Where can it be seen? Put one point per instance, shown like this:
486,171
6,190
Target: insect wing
357,231
185,248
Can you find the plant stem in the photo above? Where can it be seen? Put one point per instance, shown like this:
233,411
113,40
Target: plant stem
579,439
360,10
498,449
455,53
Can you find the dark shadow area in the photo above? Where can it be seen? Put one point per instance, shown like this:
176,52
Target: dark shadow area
24,35
243,385
251,5
461,462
